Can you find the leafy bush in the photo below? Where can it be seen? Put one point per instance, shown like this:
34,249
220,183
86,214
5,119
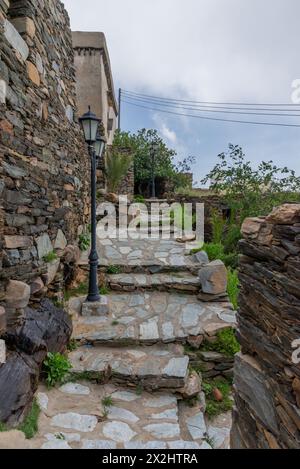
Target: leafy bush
113,269
30,425
214,407
116,168
139,199
233,287
51,256
84,242
226,343
218,224
56,367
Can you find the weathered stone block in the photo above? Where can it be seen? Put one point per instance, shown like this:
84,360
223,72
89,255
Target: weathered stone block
15,40
2,352
52,269
98,308
286,214
213,278
17,294
24,25
60,242
3,91
44,245
33,73
17,242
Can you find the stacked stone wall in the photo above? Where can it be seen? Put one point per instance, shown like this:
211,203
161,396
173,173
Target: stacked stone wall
267,371
44,166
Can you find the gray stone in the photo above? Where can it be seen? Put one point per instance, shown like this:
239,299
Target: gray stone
60,242
170,414
73,421
70,437
161,401
98,444
75,388
213,278
118,431
52,269
251,381
69,113
163,430
149,330
17,294
201,257
168,331
122,414
145,445
44,245
125,396
219,436
196,426
97,308
3,89
13,171
190,316
15,40
2,352
42,400
181,444
177,367
56,444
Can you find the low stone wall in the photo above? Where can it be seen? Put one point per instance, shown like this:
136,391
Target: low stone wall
267,372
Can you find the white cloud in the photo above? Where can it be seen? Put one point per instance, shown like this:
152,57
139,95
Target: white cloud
164,130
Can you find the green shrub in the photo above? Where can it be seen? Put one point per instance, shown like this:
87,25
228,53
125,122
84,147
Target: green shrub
30,425
82,289
233,287
107,401
56,367
226,343
113,269
214,407
139,199
84,242
232,238
104,290
218,224
51,256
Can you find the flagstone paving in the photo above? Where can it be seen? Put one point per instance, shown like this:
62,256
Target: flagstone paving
130,374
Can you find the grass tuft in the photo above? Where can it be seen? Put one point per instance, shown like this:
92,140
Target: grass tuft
30,425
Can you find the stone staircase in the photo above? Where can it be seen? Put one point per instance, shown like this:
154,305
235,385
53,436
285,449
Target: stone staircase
131,379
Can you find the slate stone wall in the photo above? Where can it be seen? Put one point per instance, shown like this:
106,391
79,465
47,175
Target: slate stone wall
267,371
44,166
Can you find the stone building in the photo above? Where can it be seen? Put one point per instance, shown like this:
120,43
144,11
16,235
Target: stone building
94,80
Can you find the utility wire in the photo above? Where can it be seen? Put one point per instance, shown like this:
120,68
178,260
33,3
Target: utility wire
207,102
277,124
189,108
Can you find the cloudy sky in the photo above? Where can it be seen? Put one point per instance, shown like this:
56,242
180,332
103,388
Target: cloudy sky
206,50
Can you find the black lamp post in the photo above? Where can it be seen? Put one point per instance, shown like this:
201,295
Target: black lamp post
90,124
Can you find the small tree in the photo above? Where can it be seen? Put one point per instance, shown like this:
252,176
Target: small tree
248,191
117,166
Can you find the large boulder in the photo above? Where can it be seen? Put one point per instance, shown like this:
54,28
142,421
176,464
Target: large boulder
213,278
45,329
286,214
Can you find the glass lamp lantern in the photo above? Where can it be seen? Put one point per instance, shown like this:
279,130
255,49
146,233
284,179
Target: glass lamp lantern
99,146
90,124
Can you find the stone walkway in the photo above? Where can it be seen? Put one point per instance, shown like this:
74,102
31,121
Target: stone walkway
131,381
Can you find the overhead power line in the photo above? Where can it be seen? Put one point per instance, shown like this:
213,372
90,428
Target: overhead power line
277,124
216,110
208,102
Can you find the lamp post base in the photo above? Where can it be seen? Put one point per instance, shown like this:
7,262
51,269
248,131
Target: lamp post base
95,308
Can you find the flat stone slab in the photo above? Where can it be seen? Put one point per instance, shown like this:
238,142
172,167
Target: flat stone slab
133,420
149,318
154,367
143,254
181,281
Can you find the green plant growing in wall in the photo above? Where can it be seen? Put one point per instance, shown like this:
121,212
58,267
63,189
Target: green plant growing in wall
113,269
50,257
84,241
56,367
226,343
116,168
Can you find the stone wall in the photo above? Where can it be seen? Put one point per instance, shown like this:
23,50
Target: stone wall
44,167
267,372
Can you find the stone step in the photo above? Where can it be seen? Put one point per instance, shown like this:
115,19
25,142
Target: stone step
181,281
84,415
142,318
151,367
